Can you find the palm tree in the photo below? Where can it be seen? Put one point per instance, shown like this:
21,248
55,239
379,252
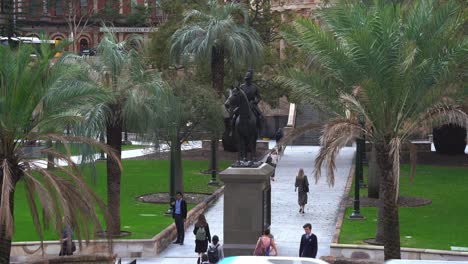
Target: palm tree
119,71
35,99
395,66
221,35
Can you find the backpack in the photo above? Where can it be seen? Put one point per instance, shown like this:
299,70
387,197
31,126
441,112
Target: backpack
213,256
201,234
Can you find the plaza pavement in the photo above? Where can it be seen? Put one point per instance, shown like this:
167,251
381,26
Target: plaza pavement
321,210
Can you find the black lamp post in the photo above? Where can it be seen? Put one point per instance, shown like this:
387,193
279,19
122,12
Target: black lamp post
362,153
213,167
356,215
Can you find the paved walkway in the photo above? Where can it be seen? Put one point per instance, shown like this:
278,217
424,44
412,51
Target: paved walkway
287,222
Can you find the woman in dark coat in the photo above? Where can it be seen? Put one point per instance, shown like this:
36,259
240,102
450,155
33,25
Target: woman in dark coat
202,235
302,186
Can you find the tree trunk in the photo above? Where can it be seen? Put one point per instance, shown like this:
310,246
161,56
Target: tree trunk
50,158
379,235
217,70
217,81
373,179
5,242
176,167
114,140
391,223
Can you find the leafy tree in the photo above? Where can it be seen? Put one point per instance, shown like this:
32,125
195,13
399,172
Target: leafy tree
184,109
35,99
398,67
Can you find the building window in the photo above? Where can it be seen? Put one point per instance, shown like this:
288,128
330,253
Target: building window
35,7
84,7
58,7
158,8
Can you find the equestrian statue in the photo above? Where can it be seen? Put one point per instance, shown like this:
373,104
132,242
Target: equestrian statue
246,119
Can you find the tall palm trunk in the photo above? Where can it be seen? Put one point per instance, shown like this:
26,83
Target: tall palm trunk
176,168
217,70
5,242
388,197
114,140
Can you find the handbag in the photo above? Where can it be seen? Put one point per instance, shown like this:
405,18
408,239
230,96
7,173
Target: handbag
305,185
73,246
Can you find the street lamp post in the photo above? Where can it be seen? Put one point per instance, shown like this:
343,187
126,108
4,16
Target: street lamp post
356,215
214,169
362,141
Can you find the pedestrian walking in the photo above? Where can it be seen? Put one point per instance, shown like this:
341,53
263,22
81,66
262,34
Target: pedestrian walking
302,186
215,251
265,245
204,259
272,160
179,213
67,246
279,135
202,235
308,247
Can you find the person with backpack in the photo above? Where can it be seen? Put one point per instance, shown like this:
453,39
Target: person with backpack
202,235
302,186
215,251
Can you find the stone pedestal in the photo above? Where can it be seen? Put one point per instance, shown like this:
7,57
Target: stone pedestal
247,207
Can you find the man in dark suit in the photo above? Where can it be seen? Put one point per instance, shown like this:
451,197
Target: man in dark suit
179,213
308,248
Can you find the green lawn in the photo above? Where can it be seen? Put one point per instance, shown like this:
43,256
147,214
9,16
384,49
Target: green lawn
438,226
139,177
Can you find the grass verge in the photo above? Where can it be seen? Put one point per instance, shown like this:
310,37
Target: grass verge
437,226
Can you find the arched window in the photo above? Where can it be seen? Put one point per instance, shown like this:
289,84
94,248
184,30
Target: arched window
83,44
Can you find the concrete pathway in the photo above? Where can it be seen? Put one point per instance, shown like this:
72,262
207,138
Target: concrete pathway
287,222
323,201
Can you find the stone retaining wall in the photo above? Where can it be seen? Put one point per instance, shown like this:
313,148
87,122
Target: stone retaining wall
121,247
376,253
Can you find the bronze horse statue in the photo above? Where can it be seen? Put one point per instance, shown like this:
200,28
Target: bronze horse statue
245,128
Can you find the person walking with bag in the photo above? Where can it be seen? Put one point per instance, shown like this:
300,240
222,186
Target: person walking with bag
302,186
215,251
202,236
265,245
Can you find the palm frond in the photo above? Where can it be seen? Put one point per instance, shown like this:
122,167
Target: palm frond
336,134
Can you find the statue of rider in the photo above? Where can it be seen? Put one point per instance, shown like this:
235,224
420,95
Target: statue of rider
253,95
